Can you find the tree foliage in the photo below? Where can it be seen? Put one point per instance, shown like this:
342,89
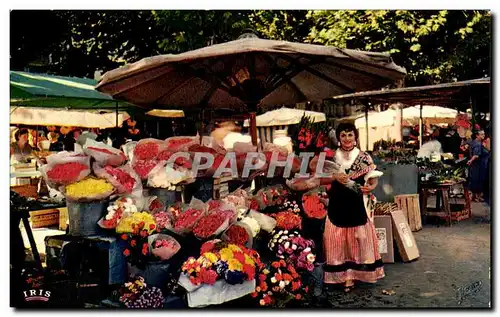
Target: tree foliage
434,46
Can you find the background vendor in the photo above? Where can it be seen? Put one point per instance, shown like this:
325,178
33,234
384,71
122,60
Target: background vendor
21,149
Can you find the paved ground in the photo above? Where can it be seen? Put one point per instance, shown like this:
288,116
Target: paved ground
453,271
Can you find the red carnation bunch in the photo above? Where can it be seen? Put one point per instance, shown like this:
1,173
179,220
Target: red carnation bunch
287,220
214,204
188,219
124,178
237,235
209,225
313,206
143,167
66,173
164,155
178,142
146,150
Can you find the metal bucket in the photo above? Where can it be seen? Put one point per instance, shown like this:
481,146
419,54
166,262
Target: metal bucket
83,218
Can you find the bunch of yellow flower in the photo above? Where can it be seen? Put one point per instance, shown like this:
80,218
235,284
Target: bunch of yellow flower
137,219
89,188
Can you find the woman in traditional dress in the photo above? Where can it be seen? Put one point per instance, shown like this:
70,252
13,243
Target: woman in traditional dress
349,241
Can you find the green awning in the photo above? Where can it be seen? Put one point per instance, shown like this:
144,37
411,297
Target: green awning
49,91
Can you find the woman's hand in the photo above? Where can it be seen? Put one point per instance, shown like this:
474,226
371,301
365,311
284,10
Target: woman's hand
370,186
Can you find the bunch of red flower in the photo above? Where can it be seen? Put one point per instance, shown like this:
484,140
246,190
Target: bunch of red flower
287,220
146,150
214,204
313,206
66,173
143,167
277,284
156,206
177,143
209,224
237,235
117,157
187,220
124,178
164,155
305,137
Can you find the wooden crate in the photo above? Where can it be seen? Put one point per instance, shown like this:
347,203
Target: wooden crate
44,218
410,206
63,218
28,190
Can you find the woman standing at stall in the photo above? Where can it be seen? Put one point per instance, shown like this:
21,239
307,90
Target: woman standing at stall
478,165
350,242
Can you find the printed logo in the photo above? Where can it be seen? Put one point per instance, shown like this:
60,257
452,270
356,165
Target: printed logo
36,295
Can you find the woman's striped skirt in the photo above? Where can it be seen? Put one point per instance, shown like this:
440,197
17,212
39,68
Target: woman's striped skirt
351,254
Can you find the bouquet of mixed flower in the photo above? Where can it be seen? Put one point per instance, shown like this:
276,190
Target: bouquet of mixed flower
136,294
297,251
290,206
137,221
279,283
136,245
271,196
221,260
122,207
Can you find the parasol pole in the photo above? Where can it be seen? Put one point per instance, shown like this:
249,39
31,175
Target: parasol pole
401,121
421,127
253,128
366,124
472,104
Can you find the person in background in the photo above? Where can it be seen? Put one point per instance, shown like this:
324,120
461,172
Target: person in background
487,167
55,144
41,137
70,139
21,149
132,133
477,163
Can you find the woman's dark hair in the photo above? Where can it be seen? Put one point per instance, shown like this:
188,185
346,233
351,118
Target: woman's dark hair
20,132
347,127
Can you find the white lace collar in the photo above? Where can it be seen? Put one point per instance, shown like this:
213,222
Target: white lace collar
346,163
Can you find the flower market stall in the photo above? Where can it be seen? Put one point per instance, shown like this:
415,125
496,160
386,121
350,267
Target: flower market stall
262,247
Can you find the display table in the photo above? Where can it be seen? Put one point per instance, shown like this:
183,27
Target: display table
443,209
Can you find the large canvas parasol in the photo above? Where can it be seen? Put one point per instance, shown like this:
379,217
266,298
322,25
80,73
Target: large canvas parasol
247,73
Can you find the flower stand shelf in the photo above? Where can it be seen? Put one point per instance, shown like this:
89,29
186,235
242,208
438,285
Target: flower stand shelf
445,210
